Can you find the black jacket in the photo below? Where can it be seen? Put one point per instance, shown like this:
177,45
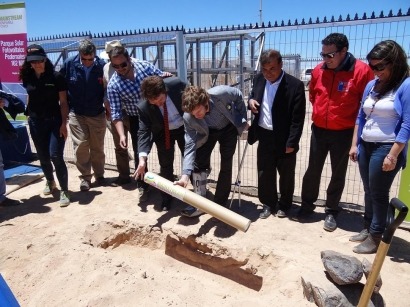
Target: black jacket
151,121
288,112
16,106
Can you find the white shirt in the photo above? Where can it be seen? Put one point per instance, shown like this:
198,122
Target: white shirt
175,120
265,118
381,120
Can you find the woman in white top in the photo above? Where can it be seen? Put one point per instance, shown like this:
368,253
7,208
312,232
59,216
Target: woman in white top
380,140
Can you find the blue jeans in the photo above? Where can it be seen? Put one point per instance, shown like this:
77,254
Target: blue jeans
50,148
376,183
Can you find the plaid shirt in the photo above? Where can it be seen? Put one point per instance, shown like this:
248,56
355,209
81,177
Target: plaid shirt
126,93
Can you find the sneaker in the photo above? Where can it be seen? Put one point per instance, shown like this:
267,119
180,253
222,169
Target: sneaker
143,194
50,186
192,212
8,202
85,185
64,199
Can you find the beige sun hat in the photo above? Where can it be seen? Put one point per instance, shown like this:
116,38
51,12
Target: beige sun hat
110,45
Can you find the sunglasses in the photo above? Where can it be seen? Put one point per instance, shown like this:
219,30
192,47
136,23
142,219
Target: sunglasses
37,62
87,60
378,67
122,65
329,55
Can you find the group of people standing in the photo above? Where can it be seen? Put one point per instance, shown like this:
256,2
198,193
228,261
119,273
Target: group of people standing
359,110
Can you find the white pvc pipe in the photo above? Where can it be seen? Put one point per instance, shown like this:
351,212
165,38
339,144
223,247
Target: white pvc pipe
221,213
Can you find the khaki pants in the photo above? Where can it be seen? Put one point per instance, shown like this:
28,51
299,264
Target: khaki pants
87,134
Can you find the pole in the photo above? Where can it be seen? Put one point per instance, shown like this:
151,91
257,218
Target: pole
225,215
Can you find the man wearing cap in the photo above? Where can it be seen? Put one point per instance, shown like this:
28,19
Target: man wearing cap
124,92
84,75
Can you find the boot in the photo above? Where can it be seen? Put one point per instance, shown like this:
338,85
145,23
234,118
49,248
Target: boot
369,246
199,182
361,236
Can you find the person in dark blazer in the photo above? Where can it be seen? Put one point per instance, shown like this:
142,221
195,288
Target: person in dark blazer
162,97
278,103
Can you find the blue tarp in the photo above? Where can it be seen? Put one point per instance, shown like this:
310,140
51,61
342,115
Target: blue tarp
20,170
7,298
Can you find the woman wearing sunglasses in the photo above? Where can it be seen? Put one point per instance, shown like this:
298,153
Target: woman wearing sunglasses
47,112
380,140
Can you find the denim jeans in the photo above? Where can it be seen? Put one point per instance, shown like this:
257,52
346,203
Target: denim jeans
376,183
50,148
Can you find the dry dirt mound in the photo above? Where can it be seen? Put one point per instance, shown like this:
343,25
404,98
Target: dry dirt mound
107,249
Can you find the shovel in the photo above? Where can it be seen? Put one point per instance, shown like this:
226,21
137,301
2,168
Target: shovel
382,251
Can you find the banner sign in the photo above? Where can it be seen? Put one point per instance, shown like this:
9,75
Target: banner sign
13,40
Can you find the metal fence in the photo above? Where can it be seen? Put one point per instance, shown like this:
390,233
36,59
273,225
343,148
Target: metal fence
229,55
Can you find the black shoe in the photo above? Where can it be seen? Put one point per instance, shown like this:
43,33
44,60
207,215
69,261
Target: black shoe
8,202
330,223
165,206
143,194
305,211
100,181
266,212
190,211
281,213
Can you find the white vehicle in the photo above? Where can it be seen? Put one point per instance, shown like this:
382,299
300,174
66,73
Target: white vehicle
305,76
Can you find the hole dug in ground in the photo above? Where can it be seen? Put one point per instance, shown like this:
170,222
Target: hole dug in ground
199,252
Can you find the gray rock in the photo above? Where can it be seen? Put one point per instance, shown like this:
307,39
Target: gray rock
324,293
342,269
367,266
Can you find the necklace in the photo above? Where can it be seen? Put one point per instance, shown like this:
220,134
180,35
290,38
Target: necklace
376,99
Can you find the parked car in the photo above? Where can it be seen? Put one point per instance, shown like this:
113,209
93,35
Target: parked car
306,75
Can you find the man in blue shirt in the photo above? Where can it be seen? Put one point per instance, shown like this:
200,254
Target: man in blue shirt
84,75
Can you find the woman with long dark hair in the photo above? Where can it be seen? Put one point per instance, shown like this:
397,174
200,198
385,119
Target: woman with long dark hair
380,140
47,112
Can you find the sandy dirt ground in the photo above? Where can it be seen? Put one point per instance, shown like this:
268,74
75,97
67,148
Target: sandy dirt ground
107,249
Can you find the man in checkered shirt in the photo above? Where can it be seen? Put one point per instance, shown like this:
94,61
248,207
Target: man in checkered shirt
124,91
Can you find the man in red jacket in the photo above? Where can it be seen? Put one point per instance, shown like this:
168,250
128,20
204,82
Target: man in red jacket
335,91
